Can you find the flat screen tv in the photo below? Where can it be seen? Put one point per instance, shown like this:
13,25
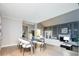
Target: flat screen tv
62,39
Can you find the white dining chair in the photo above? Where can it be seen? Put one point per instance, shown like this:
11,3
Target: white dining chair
25,44
41,42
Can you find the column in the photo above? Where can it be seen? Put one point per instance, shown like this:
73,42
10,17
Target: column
35,29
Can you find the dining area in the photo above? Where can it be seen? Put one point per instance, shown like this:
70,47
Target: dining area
31,45
31,39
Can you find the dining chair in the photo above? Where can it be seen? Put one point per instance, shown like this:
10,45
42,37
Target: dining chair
25,45
43,44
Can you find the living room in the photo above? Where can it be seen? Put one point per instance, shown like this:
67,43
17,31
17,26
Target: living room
41,29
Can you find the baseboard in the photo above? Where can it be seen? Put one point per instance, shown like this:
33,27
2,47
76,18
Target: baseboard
8,45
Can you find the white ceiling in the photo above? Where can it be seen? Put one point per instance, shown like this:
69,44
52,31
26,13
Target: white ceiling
35,12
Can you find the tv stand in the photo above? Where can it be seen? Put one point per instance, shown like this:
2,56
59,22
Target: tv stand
67,46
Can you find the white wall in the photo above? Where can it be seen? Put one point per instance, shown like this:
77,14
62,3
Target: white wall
40,26
0,31
11,31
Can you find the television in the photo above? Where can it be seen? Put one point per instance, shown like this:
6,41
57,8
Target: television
66,38
62,39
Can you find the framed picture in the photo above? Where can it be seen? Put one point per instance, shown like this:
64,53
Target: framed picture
48,34
64,30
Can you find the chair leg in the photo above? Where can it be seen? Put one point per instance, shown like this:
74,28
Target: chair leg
32,49
23,51
21,48
40,47
44,45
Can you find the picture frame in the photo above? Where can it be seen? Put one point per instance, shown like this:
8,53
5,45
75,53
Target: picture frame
64,30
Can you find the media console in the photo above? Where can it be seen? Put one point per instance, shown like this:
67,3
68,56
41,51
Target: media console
67,46
55,42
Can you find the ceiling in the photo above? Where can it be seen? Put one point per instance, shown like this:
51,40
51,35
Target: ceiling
72,16
35,12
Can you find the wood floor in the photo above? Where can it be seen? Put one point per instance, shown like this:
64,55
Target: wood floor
49,51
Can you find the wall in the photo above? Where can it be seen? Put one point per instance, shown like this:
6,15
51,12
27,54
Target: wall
30,26
73,28
40,26
25,31
0,31
11,31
